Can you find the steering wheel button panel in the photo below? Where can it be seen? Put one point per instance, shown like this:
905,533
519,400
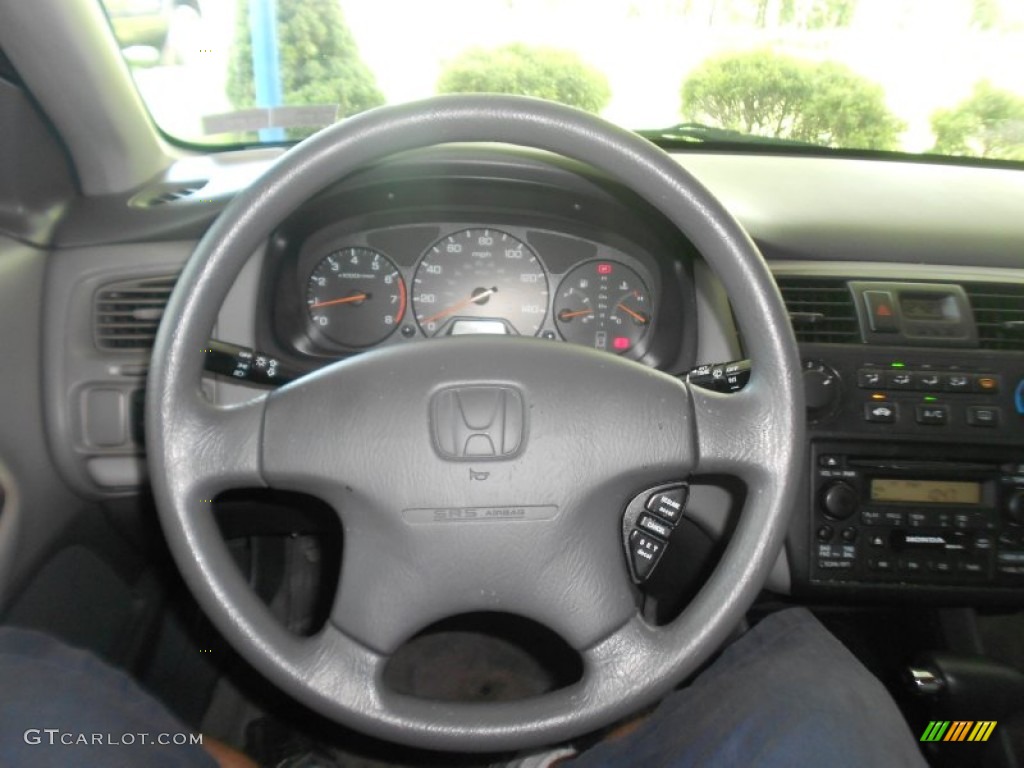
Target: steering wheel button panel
668,504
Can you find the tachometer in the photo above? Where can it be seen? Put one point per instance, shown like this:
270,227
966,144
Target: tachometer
480,281
603,304
355,297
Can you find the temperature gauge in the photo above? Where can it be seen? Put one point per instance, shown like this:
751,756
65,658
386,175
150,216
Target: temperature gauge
603,304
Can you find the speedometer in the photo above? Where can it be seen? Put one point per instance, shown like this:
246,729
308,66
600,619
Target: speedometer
480,281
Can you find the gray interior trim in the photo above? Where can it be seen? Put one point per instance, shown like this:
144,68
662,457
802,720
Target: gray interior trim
67,55
39,507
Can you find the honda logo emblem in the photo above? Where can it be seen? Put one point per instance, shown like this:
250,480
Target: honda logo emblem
478,422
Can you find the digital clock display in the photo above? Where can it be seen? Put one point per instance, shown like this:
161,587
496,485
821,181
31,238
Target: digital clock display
925,491
929,307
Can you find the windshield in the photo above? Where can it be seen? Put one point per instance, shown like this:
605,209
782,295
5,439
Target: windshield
940,76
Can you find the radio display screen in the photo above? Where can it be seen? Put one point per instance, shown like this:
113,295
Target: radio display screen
925,491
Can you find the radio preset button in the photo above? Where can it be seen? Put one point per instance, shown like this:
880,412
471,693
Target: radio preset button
894,518
871,517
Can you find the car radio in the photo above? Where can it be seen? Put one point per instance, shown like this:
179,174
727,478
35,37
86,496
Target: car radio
929,521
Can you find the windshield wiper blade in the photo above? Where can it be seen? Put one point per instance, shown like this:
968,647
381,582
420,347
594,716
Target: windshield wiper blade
698,133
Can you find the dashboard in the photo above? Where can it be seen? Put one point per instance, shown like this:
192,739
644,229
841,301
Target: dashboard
907,308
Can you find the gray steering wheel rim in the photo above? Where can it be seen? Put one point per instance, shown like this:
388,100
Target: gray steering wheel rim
758,432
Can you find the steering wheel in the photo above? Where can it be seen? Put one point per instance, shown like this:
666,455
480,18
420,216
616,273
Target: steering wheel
584,431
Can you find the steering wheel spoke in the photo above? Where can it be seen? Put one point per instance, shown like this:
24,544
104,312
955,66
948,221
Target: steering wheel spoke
735,433
214,448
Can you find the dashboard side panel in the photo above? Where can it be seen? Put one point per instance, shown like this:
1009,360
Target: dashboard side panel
37,505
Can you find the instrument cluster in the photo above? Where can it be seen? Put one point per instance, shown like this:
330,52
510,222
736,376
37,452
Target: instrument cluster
399,284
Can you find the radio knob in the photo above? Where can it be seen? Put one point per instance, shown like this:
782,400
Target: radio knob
821,389
1015,507
839,500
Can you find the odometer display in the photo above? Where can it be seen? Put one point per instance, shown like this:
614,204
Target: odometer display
355,297
479,275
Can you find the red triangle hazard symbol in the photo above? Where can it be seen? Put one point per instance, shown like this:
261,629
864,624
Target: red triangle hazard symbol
883,310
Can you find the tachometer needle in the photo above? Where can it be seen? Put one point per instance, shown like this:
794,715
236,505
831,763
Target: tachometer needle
476,297
635,315
347,300
567,315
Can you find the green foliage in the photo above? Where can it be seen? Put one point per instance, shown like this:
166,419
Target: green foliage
985,14
825,14
989,123
320,61
768,94
546,73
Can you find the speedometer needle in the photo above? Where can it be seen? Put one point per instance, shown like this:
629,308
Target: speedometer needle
346,300
635,315
476,297
567,315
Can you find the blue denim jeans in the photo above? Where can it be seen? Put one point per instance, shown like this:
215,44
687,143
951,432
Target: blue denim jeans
786,694
62,707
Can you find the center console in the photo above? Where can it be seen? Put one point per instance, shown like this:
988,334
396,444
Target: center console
915,471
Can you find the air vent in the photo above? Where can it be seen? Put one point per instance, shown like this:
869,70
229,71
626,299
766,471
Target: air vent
167,193
127,313
820,310
998,313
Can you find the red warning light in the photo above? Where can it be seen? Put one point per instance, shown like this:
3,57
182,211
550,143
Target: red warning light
883,310
604,269
620,342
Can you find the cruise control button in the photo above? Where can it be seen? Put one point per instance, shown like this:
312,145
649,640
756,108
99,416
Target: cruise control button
644,553
651,524
668,505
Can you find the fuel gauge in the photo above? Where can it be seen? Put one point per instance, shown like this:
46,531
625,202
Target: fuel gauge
603,304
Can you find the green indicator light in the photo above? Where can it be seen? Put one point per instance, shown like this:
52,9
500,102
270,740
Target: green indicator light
898,365
930,399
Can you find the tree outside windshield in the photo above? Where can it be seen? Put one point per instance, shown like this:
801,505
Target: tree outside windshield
941,76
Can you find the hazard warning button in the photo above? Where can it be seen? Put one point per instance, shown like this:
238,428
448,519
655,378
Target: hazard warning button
881,311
